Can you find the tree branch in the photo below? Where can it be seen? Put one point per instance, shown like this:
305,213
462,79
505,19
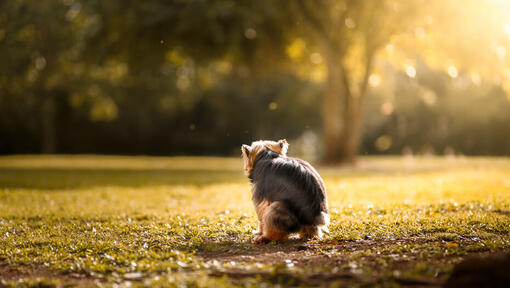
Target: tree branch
317,27
368,69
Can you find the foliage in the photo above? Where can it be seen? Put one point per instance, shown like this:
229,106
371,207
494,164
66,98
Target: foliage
201,77
173,221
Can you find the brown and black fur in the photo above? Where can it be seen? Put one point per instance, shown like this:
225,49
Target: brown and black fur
288,193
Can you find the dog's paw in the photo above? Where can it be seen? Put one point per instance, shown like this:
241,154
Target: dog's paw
261,240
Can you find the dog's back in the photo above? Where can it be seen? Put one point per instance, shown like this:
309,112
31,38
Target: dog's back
293,182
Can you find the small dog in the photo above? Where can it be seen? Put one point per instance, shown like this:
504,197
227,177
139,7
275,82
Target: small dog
288,193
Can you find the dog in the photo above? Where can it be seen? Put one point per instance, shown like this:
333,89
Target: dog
288,194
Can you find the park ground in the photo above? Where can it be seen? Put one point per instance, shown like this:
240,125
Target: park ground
188,221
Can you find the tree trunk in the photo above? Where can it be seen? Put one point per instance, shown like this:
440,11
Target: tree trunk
48,125
342,117
351,138
332,113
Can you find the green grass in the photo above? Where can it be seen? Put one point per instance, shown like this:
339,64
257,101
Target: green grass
154,221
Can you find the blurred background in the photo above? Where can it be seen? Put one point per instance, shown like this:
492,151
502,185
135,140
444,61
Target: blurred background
201,77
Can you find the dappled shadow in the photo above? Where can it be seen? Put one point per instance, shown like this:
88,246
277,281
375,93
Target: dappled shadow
277,252
85,177
21,273
335,269
90,171
325,279
376,166
482,271
225,250
61,178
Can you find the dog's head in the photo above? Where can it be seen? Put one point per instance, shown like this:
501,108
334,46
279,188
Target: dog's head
250,153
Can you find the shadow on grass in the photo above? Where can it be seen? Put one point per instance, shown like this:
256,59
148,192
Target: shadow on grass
224,250
43,178
278,257
73,178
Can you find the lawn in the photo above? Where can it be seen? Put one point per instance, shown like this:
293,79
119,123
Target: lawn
188,221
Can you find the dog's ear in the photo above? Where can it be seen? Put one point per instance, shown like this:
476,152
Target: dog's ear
246,150
284,146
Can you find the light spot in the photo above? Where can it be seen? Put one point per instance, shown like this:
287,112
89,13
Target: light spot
349,22
224,67
475,78
40,63
73,11
296,48
316,58
497,79
183,83
501,52
192,126
390,48
411,71
430,98
383,143
374,80
507,29
175,58
419,32
387,108
273,106
318,74
452,71
104,109
250,33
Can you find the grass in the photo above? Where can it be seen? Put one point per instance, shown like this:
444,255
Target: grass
154,221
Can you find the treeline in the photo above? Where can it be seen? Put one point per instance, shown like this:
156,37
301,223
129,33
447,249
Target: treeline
202,77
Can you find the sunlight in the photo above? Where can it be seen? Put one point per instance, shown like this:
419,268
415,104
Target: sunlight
374,80
411,71
452,71
396,113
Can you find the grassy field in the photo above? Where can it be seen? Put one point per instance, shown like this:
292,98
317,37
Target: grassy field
153,221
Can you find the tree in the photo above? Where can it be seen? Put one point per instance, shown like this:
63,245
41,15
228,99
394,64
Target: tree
473,36
32,48
97,60
348,35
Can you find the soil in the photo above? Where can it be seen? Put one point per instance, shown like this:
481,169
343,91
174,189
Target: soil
9,273
298,254
302,254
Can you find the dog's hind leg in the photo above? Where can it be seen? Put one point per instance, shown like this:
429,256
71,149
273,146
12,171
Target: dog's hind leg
315,230
277,222
308,232
261,208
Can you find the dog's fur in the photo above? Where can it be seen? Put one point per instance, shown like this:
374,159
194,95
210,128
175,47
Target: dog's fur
288,193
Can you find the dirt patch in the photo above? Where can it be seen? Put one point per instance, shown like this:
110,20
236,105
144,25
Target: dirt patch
297,263
502,212
340,263
15,273
482,271
326,279
301,253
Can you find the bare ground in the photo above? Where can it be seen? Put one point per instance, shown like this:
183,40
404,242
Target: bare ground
311,257
316,264
15,273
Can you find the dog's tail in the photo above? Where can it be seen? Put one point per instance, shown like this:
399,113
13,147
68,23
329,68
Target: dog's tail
322,222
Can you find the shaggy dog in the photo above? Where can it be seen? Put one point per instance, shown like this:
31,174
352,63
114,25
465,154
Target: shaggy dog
288,193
